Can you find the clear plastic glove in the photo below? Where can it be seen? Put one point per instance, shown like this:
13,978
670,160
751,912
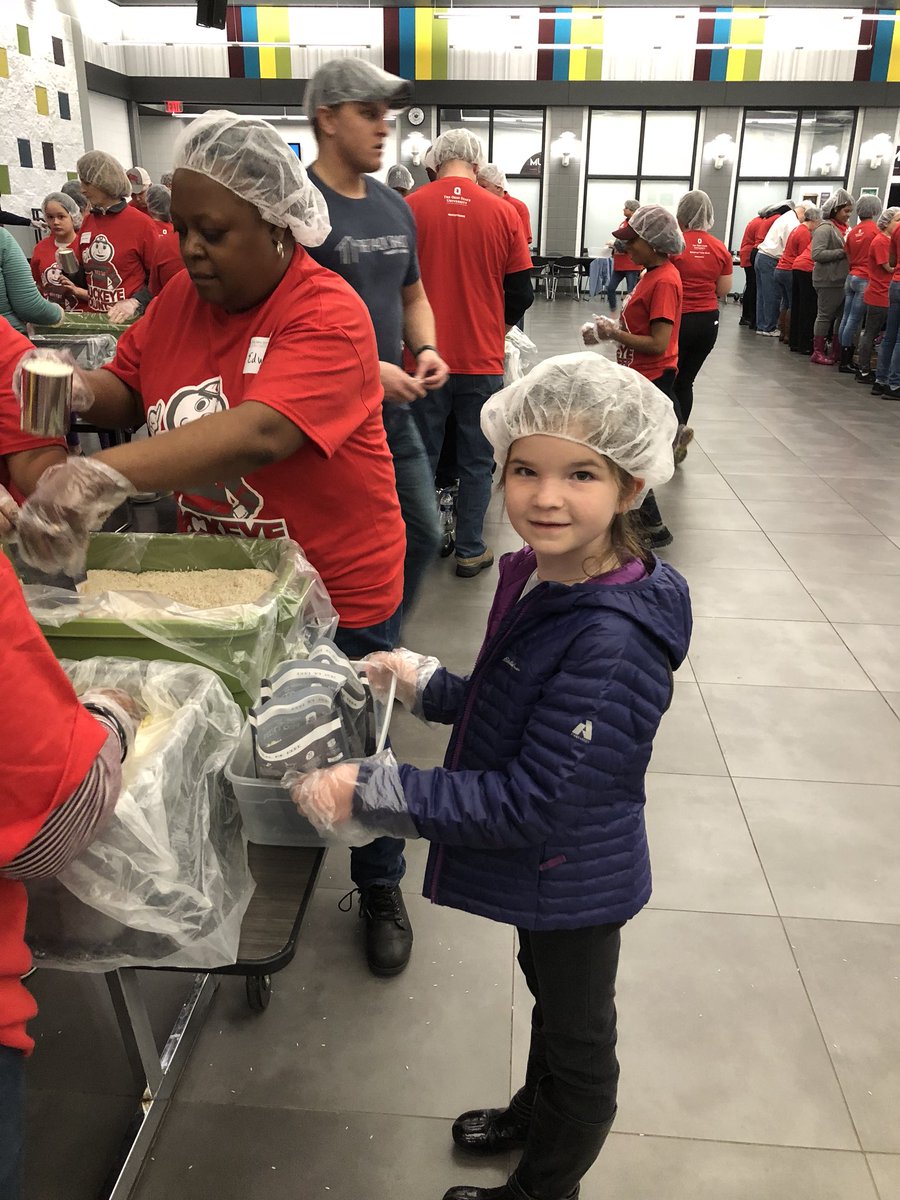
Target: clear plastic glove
127,714
122,310
82,392
9,513
600,329
413,671
589,333
355,802
70,500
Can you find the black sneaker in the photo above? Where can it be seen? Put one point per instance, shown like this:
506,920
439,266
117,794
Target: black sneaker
878,389
889,393
865,377
389,935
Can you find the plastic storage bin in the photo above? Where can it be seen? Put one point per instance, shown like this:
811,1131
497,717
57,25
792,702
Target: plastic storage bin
269,814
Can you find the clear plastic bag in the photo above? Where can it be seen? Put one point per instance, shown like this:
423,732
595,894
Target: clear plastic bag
90,351
166,882
517,347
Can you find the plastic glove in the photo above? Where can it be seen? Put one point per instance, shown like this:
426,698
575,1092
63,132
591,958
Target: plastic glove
600,329
413,671
355,802
82,392
9,513
122,310
589,334
70,500
125,710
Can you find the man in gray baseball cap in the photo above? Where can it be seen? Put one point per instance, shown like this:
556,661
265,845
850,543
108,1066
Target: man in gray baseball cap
342,80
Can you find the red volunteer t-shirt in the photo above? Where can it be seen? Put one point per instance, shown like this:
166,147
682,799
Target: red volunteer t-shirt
165,228
754,235
42,762
116,253
657,297
467,244
877,293
12,439
309,352
804,261
895,251
524,214
167,262
48,275
624,262
859,239
798,240
700,264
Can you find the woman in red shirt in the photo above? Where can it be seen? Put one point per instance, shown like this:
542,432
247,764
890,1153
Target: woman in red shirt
858,243
804,301
706,272
63,217
875,297
622,265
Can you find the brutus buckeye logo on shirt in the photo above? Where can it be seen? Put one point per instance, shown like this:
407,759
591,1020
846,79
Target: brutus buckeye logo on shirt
52,287
103,280
231,506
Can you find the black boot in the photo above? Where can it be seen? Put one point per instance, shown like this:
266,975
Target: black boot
845,364
494,1130
389,936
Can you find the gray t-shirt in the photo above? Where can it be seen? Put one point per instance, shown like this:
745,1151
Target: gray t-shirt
372,245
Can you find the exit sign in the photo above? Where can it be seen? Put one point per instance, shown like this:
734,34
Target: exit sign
174,106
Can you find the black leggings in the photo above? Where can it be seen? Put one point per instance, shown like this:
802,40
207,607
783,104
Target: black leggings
696,338
804,306
748,303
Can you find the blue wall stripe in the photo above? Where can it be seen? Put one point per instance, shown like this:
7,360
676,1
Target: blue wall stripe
408,43
250,29
563,34
881,54
718,67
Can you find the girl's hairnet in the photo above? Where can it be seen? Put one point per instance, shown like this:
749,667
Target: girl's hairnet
588,399
886,217
632,205
695,211
813,213
399,176
250,158
457,143
159,202
104,172
657,226
868,207
833,203
491,173
65,202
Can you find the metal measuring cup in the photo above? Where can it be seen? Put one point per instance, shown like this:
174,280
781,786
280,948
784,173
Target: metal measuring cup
45,404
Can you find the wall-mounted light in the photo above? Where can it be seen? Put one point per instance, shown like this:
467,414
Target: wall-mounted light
567,145
825,160
876,150
416,145
720,150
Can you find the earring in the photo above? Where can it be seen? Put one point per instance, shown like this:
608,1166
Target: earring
279,246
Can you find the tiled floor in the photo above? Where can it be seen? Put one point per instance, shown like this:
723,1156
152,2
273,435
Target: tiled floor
759,993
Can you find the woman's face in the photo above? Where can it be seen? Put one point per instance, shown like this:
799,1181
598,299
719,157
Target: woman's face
641,252
60,222
842,214
228,249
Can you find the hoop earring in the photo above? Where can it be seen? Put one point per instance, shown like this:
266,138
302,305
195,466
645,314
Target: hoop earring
279,246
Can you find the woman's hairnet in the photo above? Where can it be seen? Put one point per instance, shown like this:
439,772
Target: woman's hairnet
103,172
588,399
813,213
66,202
886,217
695,211
457,143
159,202
250,158
657,226
398,177
868,207
833,203
73,189
632,205
491,173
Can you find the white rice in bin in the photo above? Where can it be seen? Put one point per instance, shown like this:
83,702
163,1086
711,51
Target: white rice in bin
194,589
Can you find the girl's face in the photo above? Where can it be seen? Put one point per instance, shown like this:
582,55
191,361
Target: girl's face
561,498
59,221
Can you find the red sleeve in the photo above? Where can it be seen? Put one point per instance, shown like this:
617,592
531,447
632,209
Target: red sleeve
129,351
895,246
519,257
748,242
13,440
665,302
879,251
167,262
725,260
41,761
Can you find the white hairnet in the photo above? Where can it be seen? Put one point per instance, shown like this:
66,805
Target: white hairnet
886,217
868,207
588,399
64,201
398,177
833,203
695,211
73,188
813,213
347,79
159,202
250,158
632,205
491,173
104,172
657,226
457,143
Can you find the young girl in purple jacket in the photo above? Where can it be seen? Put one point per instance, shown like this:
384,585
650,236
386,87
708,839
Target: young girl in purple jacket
537,817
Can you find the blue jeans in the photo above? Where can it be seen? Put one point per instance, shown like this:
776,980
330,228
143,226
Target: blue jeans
415,491
630,277
464,396
888,369
784,286
12,1122
854,307
766,293
381,862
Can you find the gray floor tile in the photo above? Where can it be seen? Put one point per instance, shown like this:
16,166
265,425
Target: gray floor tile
780,487
828,849
783,463
855,597
893,699
653,1168
700,486
805,733
686,743
421,1044
886,1171
877,649
742,442
72,1142
702,853
786,516
737,592
239,1152
775,653
851,974
696,512
722,548
809,554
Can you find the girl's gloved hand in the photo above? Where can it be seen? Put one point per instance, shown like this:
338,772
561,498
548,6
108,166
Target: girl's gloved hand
354,802
70,500
82,392
411,670
600,329
9,513
122,310
325,797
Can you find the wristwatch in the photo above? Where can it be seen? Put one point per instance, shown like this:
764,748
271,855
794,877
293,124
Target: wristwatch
421,349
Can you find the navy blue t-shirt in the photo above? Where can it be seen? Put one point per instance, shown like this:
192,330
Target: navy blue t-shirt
372,245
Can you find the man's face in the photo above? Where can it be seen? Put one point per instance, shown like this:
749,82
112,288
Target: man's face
139,200
493,188
358,131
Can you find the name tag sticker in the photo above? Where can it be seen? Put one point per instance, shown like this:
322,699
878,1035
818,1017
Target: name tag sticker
85,237
255,355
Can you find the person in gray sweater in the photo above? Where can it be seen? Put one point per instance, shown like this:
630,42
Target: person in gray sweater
20,301
830,268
